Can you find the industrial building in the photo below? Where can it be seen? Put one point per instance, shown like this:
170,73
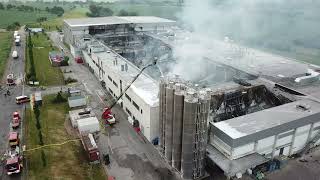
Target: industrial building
230,105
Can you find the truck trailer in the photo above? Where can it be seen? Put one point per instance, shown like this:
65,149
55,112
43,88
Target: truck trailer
91,148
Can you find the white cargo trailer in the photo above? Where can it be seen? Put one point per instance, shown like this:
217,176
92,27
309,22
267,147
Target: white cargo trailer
77,101
88,125
78,114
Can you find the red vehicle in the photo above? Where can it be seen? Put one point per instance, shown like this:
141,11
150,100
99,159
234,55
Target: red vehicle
15,120
108,117
79,60
13,165
13,139
91,148
22,99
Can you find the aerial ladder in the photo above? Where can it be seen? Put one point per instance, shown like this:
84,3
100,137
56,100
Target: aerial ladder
107,114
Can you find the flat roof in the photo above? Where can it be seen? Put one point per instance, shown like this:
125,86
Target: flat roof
248,128
111,20
76,97
74,115
247,59
145,87
88,121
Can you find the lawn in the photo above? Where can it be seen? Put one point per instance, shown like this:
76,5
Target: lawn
46,74
5,47
65,162
8,17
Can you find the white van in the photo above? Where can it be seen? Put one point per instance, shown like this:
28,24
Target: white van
15,55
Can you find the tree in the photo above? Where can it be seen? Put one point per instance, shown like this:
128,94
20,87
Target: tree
133,14
9,6
1,6
123,12
99,11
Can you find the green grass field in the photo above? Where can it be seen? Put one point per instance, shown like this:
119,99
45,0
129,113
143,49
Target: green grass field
5,47
46,74
65,162
8,17
53,24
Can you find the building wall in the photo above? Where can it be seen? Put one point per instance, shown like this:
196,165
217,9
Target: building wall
132,104
71,32
286,143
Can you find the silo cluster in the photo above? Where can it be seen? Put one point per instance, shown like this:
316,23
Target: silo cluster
183,126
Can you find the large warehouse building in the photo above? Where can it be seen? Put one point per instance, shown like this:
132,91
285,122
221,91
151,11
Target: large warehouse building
240,105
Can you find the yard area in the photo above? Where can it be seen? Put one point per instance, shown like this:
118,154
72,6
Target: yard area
10,16
5,47
67,161
45,73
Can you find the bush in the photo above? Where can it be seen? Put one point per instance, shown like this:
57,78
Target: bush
65,62
59,98
31,76
70,80
13,26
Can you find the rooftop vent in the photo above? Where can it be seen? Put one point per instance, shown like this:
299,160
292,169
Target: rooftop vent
303,107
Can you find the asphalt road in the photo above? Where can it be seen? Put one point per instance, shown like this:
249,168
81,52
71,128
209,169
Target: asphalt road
7,103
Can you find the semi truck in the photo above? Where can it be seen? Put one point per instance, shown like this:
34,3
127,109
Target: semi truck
14,139
91,148
13,165
13,161
10,80
15,120
15,55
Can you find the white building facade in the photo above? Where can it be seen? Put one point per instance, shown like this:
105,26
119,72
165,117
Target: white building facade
283,130
140,102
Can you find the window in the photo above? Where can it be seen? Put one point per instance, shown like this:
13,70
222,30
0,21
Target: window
110,79
115,84
135,105
141,111
129,112
110,91
128,97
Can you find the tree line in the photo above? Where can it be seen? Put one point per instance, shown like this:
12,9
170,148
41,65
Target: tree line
19,8
57,10
100,11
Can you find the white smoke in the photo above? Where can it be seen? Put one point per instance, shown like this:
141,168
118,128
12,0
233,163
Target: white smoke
270,24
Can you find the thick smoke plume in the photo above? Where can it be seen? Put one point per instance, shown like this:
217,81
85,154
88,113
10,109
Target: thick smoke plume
289,26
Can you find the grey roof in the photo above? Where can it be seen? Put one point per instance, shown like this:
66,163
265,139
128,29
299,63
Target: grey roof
111,20
76,97
251,127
